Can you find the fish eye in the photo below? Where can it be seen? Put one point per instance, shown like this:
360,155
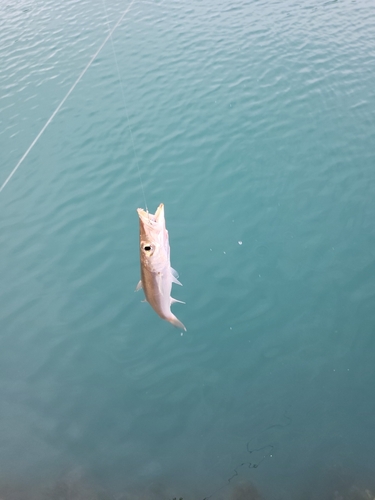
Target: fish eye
147,248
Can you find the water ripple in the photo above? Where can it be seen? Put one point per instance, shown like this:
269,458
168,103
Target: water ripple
253,123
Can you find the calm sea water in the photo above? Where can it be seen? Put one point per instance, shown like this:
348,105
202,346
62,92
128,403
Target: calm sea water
254,123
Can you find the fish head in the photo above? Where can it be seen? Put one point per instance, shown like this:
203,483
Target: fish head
153,238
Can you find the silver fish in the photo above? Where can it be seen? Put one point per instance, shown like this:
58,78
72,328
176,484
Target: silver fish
157,275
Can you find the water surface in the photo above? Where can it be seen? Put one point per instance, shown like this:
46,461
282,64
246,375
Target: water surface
253,122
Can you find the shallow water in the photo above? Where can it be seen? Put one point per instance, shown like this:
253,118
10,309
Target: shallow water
253,122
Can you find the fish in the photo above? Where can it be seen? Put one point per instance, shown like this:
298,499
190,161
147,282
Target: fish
157,275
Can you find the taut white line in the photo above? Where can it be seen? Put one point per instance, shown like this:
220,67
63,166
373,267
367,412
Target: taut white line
65,98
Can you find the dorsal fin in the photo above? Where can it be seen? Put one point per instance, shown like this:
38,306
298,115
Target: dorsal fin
175,300
174,274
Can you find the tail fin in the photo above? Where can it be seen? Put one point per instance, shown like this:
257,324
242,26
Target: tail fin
175,322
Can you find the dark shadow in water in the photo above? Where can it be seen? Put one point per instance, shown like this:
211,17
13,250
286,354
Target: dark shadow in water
73,485
246,491
332,484
338,483
322,482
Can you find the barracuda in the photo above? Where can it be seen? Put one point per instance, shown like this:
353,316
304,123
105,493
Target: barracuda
157,275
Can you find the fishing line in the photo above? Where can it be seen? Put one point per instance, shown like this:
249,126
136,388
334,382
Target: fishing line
65,98
125,107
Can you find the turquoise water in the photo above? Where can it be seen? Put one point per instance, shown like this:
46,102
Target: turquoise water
253,122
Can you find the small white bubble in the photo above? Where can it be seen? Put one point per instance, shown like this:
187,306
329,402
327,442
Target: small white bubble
182,333
230,328
240,242
210,249
259,276
225,252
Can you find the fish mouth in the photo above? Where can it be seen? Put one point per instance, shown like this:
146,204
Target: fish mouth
151,220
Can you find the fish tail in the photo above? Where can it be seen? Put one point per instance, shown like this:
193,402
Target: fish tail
176,322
